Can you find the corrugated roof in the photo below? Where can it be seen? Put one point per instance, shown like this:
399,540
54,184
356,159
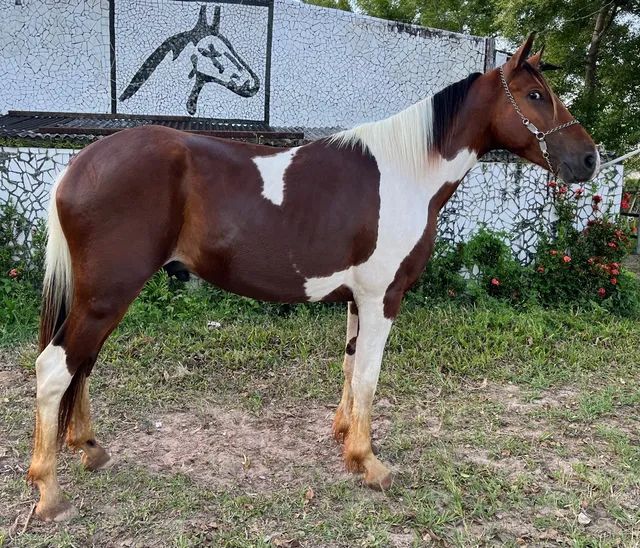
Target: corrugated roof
87,127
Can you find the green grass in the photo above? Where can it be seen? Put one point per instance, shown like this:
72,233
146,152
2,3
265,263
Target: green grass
501,424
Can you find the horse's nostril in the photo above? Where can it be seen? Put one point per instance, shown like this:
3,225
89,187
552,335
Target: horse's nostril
590,161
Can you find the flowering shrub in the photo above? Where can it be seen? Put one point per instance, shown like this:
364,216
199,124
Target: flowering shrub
580,265
21,246
572,266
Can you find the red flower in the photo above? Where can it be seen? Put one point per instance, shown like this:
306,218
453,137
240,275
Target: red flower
562,189
615,265
625,204
614,271
495,281
579,191
540,269
612,244
613,281
552,184
553,252
602,292
590,260
566,259
596,198
14,273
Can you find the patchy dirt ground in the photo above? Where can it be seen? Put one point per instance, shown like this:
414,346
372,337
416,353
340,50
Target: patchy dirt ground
233,449
481,464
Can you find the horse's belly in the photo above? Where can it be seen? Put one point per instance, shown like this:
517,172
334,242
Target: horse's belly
267,277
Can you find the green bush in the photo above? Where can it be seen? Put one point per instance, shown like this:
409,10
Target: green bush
571,267
21,269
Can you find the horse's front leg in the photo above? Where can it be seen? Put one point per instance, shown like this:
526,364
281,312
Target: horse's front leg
372,336
343,413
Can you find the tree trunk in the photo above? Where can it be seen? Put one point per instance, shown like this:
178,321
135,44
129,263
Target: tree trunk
603,21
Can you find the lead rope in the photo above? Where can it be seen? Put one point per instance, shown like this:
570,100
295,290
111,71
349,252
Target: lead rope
620,159
539,135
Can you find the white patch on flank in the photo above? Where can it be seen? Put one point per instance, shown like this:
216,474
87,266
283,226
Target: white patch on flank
403,215
53,378
272,170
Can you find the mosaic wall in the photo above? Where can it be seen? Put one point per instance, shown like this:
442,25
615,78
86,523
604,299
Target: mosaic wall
191,58
513,197
296,64
336,69
503,196
54,55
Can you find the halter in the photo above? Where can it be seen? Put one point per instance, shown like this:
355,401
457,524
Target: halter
539,135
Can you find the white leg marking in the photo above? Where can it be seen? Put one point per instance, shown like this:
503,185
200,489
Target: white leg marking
53,378
402,219
374,330
272,170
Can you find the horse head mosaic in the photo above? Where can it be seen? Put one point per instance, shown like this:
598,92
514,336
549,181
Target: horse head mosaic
213,60
350,218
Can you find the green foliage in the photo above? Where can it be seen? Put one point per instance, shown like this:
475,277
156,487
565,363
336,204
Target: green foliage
574,267
336,4
21,262
581,265
21,244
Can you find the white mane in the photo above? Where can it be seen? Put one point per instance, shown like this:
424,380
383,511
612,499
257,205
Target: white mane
404,140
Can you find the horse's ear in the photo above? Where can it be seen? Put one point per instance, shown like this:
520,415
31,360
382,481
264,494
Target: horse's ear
520,56
548,66
215,25
536,59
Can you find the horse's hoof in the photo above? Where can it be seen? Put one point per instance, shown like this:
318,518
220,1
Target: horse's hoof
62,511
377,476
105,465
380,484
97,459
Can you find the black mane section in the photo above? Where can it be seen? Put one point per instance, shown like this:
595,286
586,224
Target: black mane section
446,104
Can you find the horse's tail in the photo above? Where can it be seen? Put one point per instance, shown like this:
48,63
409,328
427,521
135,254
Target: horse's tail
58,277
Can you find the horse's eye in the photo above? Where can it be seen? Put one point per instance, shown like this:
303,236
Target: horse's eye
535,96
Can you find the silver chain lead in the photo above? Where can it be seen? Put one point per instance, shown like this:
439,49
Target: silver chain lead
539,135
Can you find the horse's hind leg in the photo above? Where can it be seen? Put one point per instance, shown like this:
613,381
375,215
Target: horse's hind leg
343,413
61,372
80,435
53,379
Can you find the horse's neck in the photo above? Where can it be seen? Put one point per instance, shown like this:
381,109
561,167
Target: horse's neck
442,170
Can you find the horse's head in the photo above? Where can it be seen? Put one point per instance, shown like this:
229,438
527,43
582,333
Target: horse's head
529,120
216,61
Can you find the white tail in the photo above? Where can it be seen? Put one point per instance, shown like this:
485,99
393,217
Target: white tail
58,278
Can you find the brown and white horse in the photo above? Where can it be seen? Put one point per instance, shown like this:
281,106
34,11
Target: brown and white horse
351,218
